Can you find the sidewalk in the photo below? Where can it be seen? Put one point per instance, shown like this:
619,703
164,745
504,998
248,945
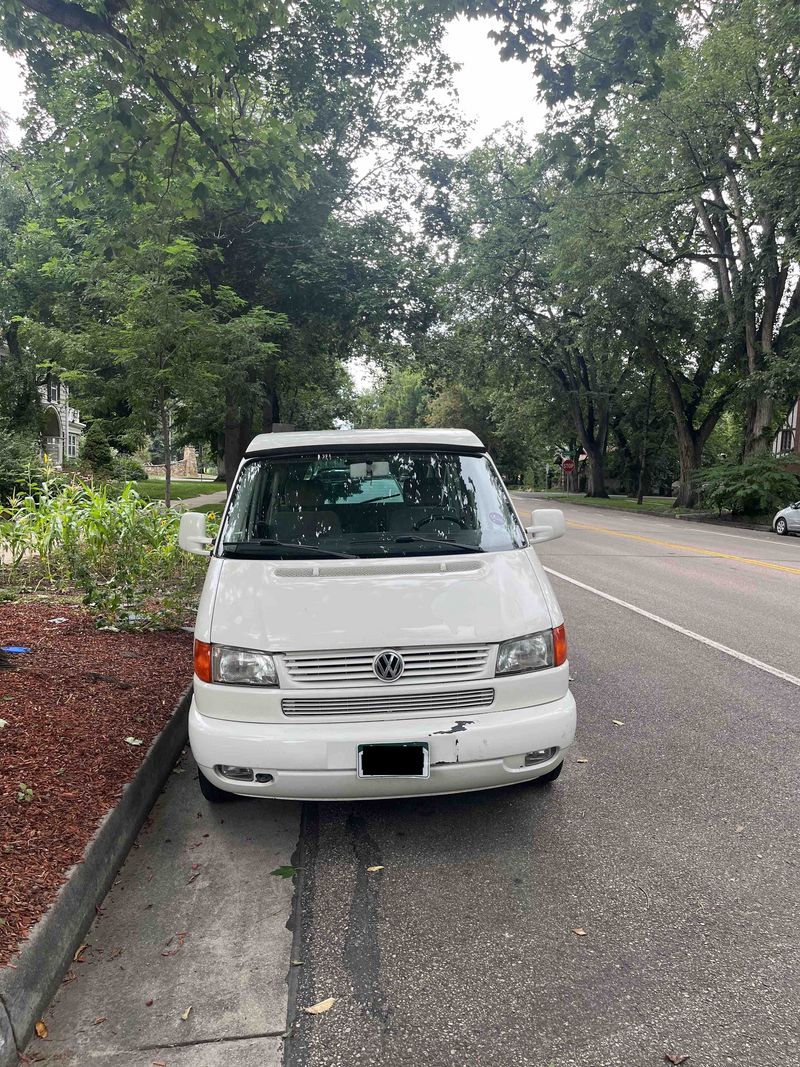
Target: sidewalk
196,501
196,924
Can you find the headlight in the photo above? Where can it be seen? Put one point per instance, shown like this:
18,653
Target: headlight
242,666
531,653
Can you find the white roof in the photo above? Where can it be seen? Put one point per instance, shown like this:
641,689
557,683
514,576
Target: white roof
336,439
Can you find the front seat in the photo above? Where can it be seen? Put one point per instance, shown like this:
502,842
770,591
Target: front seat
307,519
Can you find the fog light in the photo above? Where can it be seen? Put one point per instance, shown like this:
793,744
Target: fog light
264,778
541,755
238,774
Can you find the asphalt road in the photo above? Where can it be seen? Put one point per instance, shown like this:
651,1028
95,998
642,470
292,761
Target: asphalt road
674,846
671,840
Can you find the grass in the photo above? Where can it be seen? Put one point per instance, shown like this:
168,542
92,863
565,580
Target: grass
652,505
214,509
154,489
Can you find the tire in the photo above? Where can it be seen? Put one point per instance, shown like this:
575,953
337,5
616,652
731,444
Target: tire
551,776
781,527
212,793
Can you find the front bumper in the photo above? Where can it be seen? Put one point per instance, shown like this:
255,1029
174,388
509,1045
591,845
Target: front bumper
317,761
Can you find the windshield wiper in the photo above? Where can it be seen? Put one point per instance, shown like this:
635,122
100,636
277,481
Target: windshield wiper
270,542
413,539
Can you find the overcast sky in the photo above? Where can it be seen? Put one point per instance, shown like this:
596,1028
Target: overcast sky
491,92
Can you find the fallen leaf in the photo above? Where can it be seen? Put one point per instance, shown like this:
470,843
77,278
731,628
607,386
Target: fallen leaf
618,722
185,1014
41,1028
675,1057
100,1019
297,963
579,931
133,741
159,1063
581,760
77,958
739,829
3,724
284,872
321,1008
379,867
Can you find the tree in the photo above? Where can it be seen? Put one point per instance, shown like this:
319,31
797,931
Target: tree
239,134
690,116
96,452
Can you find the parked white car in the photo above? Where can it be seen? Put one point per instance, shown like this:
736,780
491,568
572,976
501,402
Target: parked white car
788,519
375,623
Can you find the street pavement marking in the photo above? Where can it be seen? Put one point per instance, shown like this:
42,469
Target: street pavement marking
694,549
680,629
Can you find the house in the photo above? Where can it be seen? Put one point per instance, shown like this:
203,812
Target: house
786,442
63,428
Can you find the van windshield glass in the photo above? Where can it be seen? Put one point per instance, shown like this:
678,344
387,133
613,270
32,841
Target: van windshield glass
369,504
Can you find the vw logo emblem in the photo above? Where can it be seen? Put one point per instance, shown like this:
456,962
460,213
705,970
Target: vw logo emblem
388,665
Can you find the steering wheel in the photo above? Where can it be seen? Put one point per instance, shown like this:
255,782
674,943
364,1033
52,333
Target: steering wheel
436,518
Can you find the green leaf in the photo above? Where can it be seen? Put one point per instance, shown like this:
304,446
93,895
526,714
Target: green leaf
285,872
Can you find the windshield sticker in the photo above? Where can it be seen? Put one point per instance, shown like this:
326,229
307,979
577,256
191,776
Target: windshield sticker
496,518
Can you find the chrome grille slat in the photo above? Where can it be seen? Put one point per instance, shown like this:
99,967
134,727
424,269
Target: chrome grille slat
388,702
354,667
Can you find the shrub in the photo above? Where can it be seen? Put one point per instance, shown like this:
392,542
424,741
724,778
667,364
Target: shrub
119,550
760,485
20,463
96,451
128,469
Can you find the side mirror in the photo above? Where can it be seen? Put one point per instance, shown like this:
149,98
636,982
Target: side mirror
192,533
548,524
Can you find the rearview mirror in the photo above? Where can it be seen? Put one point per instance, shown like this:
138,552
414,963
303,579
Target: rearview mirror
548,524
192,533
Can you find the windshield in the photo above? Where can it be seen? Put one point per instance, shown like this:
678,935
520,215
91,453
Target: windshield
376,503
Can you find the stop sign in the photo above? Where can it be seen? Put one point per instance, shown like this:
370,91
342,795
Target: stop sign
568,466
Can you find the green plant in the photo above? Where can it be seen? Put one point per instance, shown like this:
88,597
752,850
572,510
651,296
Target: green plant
128,469
24,794
96,451
760,485
20,464
119,550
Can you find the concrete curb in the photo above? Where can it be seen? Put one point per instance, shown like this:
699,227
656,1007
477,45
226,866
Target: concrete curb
29,985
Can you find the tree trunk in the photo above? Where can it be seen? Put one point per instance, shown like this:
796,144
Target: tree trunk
165,433
597,471
237,438
643,455
760,412
690,453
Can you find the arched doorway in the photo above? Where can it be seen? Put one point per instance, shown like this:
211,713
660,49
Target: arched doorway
52,436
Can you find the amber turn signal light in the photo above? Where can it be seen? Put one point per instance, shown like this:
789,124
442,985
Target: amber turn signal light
202,660
559,645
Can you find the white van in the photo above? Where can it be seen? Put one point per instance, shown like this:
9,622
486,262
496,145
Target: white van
375,623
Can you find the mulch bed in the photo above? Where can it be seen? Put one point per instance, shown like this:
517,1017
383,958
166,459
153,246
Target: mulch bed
68,706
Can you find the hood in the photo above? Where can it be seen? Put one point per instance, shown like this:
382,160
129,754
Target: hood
285,606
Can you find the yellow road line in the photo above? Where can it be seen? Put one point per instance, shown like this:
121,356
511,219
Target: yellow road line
694,549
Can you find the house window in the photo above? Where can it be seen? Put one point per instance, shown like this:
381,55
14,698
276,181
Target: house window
53,391
72,446
786,442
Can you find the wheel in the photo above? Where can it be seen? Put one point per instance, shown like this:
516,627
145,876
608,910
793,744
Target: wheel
551,776
781,526
212,793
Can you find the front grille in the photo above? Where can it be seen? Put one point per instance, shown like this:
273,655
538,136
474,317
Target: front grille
389,702
436,663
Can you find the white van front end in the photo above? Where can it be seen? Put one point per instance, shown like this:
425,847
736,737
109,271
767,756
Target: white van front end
374,623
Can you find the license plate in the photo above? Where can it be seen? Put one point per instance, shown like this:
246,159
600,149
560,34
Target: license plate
404,760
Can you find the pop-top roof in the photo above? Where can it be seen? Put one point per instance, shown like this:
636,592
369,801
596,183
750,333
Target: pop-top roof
333,440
